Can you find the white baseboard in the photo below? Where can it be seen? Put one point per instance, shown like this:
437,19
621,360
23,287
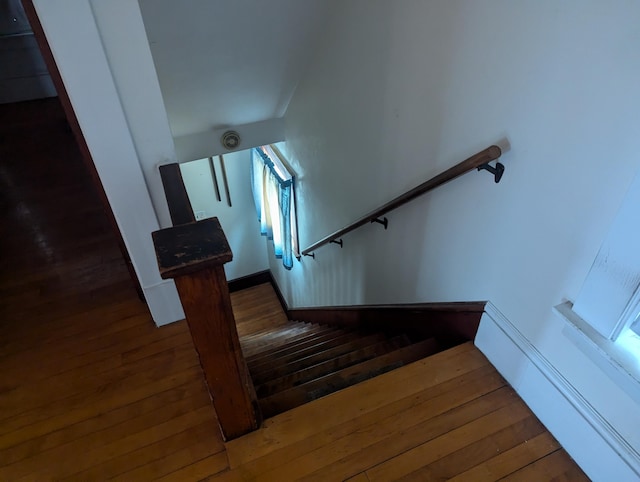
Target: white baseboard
594,444
163,302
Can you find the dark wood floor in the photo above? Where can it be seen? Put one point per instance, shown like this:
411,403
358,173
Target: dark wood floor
91,390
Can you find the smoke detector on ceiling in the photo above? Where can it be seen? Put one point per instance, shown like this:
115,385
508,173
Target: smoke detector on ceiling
230,140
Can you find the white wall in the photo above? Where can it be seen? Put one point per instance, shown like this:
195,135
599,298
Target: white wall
239,222
230,63
92,50
398,91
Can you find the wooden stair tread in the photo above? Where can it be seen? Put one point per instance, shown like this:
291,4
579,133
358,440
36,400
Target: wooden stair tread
258,348
294,345
269,364
276,338
315,358
320,369
277,335
277,330
306,392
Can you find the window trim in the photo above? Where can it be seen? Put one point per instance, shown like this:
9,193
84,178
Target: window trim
609,294
601,322
614,360
632,313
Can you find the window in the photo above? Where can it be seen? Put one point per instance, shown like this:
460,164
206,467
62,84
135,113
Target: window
634,313
610,297
273,192
605,319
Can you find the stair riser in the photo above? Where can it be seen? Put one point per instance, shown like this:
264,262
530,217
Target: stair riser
330,366
294,346
284,360
301,394
316,358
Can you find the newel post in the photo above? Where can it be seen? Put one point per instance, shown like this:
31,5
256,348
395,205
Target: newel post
193,255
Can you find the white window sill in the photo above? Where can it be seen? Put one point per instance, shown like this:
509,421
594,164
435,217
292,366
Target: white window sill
620,360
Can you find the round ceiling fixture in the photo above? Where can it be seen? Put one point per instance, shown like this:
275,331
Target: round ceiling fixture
230,140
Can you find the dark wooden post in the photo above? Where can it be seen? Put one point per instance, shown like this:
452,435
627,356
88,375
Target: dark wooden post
177,198
194,255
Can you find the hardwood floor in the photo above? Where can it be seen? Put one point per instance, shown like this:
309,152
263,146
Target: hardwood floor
449,416
91,390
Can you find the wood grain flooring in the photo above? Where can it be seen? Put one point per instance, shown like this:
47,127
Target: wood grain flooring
450,416
91,390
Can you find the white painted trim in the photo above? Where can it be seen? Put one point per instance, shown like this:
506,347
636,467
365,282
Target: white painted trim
207,144
596,446
79,51
621,366
164,303
632,314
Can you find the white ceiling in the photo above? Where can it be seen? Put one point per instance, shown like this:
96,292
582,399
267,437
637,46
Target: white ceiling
223,63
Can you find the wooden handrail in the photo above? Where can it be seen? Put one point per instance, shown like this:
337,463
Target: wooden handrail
474,162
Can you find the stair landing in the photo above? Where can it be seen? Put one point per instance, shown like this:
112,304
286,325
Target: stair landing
449,416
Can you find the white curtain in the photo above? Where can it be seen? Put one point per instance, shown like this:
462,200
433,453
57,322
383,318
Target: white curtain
275,203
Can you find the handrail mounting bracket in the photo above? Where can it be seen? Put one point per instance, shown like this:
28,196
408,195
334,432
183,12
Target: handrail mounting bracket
313,255
497,171
384,221
337,241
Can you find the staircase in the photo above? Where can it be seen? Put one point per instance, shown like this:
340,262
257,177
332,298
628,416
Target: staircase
298,362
